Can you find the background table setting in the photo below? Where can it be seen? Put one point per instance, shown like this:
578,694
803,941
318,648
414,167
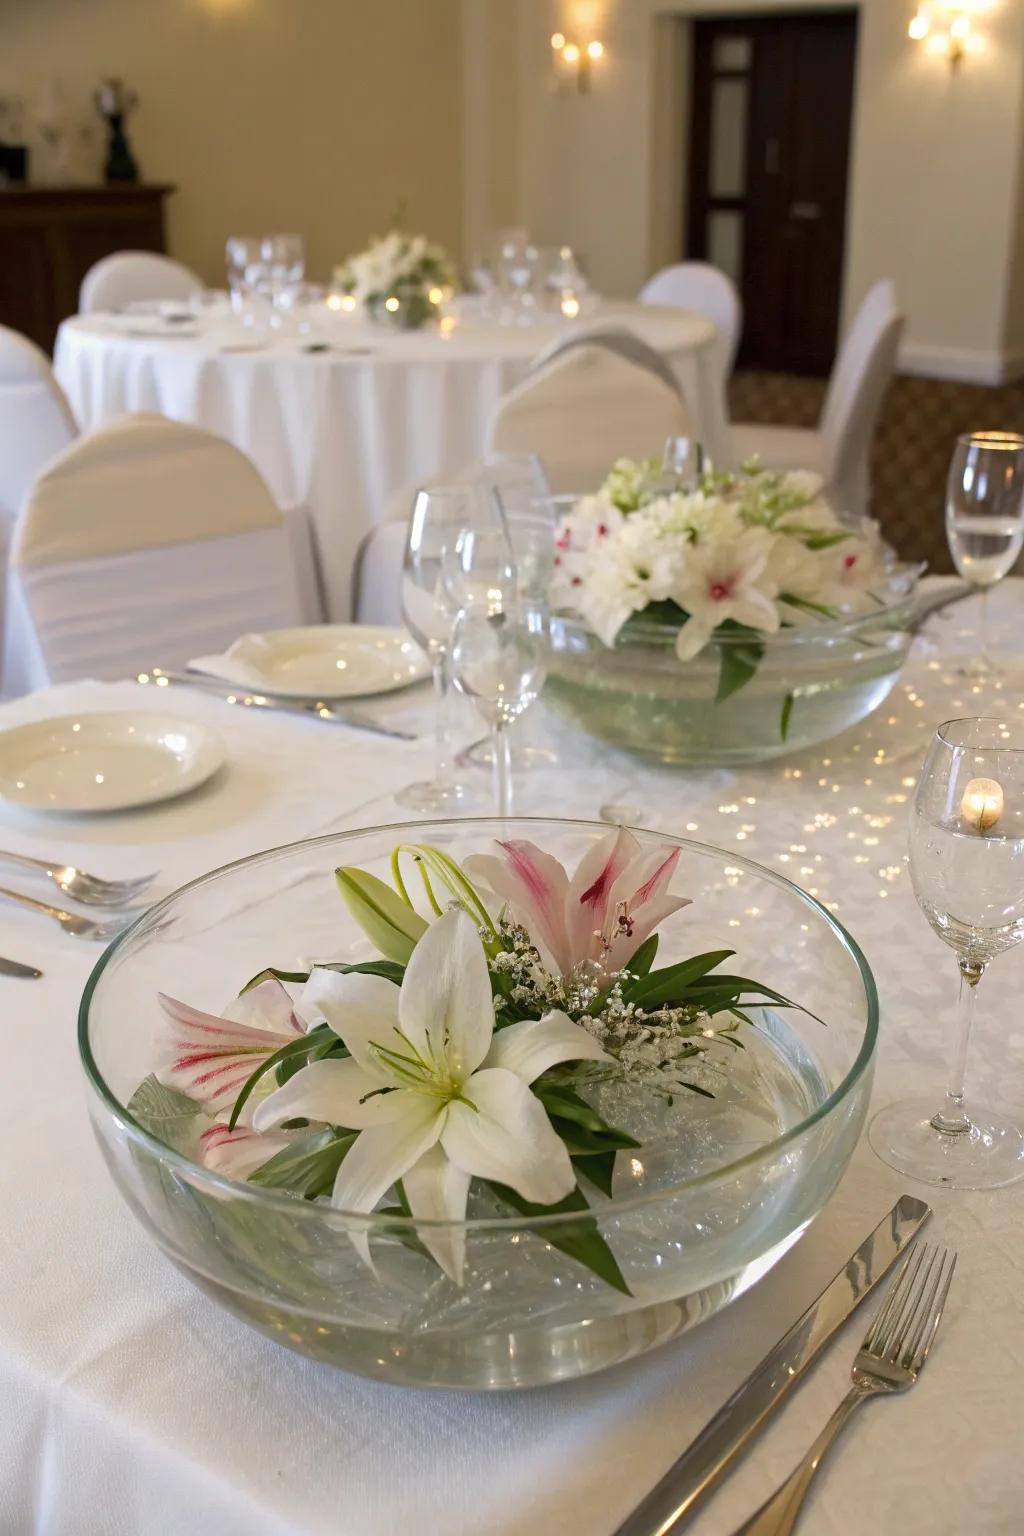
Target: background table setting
338,410
151,1409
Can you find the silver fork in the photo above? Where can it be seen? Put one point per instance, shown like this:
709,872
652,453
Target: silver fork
81,927
90,890
890,1359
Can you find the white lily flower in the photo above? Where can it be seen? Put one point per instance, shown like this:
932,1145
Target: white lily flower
437,1094
726,581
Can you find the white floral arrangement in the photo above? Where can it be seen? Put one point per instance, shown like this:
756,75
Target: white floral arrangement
472,1052
741,556
399,278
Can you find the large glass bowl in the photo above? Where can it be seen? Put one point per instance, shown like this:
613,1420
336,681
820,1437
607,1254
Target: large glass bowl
810,684
697,1216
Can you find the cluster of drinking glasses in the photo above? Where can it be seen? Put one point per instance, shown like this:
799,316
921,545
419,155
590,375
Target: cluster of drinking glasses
266,276
521,282
475,581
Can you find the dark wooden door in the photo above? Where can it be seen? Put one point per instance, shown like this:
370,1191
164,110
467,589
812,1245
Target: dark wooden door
770,138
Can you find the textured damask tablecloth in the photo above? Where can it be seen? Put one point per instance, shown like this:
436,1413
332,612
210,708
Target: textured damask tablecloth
131,1406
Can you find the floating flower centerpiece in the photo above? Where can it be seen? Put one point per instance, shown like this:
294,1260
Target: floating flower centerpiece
400,279
477,1050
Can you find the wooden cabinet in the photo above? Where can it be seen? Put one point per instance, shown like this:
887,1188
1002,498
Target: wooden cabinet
51,236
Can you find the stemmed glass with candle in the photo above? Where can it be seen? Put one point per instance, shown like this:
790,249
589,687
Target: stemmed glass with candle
967,867
985,518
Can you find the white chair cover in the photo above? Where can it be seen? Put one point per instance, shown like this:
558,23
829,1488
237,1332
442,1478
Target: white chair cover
130,276
697,285
840,448
35,419
617,339
145,544
377,575
584,410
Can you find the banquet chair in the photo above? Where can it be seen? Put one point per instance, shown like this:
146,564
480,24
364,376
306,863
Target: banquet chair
35,418
618,339
127,277
839,448
146,543
699,286
586,408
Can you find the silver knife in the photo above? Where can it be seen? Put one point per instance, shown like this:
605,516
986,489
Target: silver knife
16,968
248,699
725,1437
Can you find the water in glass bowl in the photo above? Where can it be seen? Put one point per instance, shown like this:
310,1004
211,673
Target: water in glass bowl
984,549
970,886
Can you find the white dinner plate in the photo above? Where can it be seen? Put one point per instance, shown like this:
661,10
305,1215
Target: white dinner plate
104,762
321,661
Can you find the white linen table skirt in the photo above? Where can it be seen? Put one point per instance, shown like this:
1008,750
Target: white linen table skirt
339,432
130,1405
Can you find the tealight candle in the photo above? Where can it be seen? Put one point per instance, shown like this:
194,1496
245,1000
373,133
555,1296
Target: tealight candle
982,804
570,306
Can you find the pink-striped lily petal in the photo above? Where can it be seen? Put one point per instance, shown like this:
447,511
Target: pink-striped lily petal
240,1152
210,1057
531,1046
535,886
267,1006
590,889
333,1093
507,1136
437,1191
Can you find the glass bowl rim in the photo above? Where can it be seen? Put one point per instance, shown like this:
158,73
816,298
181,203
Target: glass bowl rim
271,1199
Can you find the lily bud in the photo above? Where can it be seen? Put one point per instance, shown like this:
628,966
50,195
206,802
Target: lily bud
391,925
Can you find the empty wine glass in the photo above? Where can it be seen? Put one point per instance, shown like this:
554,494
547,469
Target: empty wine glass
246,276
683,463
499,647
284,261
518,266
985,518
440,513
967,866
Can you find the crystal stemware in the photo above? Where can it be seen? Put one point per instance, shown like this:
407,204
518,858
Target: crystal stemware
967,867
440,514
500,641
985,518
246,276
683,462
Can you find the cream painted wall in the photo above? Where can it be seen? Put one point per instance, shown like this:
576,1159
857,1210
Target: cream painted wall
312,115
934,171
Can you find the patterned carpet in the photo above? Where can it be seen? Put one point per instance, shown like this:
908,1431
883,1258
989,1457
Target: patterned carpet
919,424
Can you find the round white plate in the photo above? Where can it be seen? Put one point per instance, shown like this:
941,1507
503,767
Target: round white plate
321,661
107,762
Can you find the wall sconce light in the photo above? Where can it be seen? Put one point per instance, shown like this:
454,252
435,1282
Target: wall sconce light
947,27
577,58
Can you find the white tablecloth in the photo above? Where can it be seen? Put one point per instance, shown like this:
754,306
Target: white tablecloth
339,432
131,1406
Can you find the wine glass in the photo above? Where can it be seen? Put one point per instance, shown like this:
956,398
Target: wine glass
499,648
518,266
967,867
985,518
284,260
246,276
440,513
683,463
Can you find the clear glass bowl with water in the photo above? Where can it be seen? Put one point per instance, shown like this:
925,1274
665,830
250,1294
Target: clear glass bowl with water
810,684
720,1188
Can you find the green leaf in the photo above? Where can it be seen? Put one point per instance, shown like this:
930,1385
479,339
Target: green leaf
642,961
302,1048
309,1166
578,1121
406,1235
668,985
738,664
580,1240
170,1116
787,711
389,969
599,1169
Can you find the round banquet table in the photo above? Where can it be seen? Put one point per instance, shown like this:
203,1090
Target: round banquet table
340,431
131,1405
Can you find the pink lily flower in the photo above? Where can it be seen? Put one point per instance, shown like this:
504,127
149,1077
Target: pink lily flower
209,1058
614,901
240,1152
